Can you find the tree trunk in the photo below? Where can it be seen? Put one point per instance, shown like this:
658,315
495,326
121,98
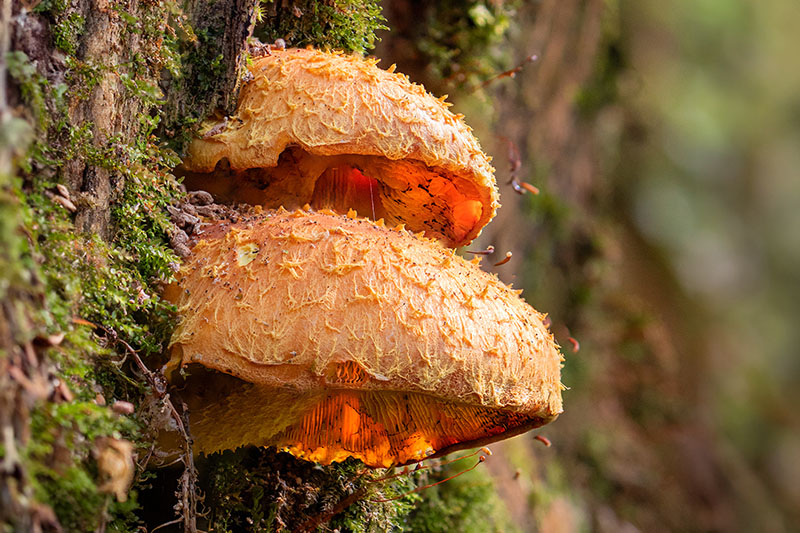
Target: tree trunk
79,100
96,100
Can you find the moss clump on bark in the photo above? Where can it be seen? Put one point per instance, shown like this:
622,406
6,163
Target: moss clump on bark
70,280
261,490
348,25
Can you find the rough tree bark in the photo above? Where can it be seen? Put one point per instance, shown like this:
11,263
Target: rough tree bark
80,77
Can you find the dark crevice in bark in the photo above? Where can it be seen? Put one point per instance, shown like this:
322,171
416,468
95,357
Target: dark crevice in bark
213,61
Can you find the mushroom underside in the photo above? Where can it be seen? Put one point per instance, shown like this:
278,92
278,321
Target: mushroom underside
326,425
424,199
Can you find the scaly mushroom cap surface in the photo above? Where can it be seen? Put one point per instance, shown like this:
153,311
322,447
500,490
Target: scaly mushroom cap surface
335,131
357,340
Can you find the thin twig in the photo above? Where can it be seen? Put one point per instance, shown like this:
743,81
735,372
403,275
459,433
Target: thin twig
420,467
505,260
315,521
419,489
521,186
165,524
514,158
510,73
576,346
488,251
158,384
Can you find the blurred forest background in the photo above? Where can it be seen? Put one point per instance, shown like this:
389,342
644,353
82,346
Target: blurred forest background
665,139
665,241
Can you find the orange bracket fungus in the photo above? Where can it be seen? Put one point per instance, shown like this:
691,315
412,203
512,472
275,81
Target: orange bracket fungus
351,328
335,131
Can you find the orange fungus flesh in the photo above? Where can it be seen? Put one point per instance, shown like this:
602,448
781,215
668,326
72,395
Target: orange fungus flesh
343,188
407,192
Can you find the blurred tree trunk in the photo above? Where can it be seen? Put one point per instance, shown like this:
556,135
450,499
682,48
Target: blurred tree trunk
631,446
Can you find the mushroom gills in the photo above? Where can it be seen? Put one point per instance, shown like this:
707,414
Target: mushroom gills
382,429
401,192
342,188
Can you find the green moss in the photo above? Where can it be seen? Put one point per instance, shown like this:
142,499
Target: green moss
60,459
348,25
114,284
56,7
67,32
462,40
260,490
83,77
62,468
15,135
468,503
32,86
207,57
369,514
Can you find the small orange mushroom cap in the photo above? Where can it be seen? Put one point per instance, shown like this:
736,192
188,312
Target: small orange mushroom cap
308,119
355,340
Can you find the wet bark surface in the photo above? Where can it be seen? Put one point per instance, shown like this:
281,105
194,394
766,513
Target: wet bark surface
106,46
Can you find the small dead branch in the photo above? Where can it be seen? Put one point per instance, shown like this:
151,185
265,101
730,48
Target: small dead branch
576,346
165,524
521,186
509,73
488,251
420,466
481,459
514,158
514,164
188,497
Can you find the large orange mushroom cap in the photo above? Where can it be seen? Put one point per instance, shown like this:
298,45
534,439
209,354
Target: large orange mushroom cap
335,131
355,340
